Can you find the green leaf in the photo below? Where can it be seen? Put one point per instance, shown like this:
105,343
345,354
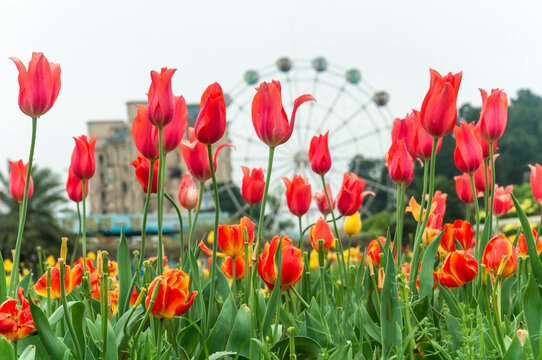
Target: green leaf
29,353
6,350
54,346
390,311
275,295
305,348
78,314
124,272
3,284
94,332
240,331
536,264
225,354
195,284
59,314
451,300
219,334
427,280
111,351
532,305
515,350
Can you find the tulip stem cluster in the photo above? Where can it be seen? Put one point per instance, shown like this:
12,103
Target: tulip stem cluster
264,201
22,214
399,224
477,216
76,246
193,223
161,188
84,239
489,216
179,216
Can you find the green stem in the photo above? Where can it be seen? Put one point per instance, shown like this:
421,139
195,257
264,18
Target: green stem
233,279
321,266
399,224
424,191
247,280
214,266
67,316
198,207
84,242
104,301
251,212
404,297
145,213
417,241
477,216
264,201
299,297
49,304
22,215
14,343
349,248
486,165
300,233
467,213
490,213
74,254
538,228
497,308
161,185
178,211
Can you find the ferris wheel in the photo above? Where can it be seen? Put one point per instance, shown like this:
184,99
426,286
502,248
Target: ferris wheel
353,111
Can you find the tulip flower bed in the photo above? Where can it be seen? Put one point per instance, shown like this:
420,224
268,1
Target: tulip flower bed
465,291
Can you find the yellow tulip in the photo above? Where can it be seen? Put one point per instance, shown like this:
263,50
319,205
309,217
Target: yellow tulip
211,237
50,261
314,260
352,224
8,265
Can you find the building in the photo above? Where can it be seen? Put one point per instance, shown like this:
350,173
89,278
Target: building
115,189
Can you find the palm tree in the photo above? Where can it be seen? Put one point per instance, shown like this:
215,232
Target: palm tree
41,228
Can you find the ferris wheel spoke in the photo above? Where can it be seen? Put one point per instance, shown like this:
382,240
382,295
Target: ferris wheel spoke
331,108
350,141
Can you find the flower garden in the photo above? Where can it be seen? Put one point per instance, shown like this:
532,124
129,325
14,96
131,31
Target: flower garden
459,290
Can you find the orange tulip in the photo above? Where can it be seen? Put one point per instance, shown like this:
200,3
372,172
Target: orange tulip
458,268
39,85
373,249
172,298
16,323
291,268
72,278
231,238
227,267
500,258
522,243
461,231
438,113
321,230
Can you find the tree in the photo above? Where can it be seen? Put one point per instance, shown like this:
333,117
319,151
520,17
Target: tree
41,227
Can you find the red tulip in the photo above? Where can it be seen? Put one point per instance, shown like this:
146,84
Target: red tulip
173,132
268,116
351,195
321,230
17,180
173,298
321,200
253,185
399,163
536,182
161,107
211,122
38,86
291,265
485,143
404,129
143,134
74,187
16,323
439,109
461,231
463,188
227,267
82,162
522,243
458,268
188,193
298,194
468,150
422,142
319,155
480,178
494,114
196,157
500,258
142,167
502,202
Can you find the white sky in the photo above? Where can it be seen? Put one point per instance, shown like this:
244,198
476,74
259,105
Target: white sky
107,48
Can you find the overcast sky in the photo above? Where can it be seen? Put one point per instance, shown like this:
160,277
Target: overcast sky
106,50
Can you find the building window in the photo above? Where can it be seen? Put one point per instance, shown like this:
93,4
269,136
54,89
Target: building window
101,159
104,196
124,187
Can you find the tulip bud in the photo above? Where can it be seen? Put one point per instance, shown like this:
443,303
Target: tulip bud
161,107
468,150
494,114
82,161
188,193
399,163
321,200
253,185
211,122
17,180
463,188
64,248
